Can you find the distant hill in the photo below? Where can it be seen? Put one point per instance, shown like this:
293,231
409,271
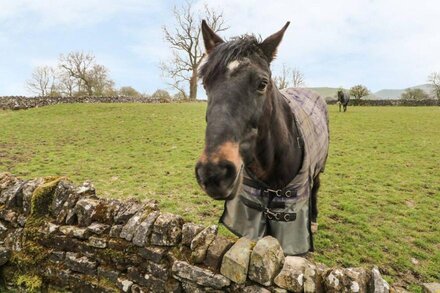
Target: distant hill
385,94
395,93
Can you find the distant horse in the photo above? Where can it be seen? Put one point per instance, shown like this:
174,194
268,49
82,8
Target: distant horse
343,100
264,148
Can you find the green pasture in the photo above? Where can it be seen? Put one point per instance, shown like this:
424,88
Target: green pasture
380,196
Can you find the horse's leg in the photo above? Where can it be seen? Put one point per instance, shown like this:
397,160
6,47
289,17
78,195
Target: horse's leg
314,203
345,108
339,107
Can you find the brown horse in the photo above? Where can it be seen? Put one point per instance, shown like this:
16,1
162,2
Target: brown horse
264,149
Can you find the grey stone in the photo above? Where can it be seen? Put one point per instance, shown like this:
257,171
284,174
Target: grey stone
14,240
124,284
21,220
152,253
200,276
27,191
145,280
291,276
167,230
8,194
201,242
5,255
57,256
377,283
145,228
255,289
67,213
130,227
80,264
108,273
216,251
127,210
51,228
189,231
346,280
62,192
86,189
115,230
80,233
431,287
98,228
85,209
267,258
97,242
14,195
235,262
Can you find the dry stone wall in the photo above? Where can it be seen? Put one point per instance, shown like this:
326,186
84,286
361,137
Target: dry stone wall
22,103
55,236
389,102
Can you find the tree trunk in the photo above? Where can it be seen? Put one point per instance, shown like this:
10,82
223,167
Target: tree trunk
193,85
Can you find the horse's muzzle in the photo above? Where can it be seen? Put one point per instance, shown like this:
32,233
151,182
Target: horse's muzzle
217,180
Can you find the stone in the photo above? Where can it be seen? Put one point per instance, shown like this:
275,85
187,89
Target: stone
14,195
201,242
27,192
57,256
127,210
235,262
51,228
115,230
431,287
80,264
291,276
216,251
124,284
62,192
138,289
202,277
310,278
10,191
5,255
153,253
377,283
189,231
80,233
108,273
130,227
21,220
98,228
144,230
67,214
97,242
167,230
143,279
14,240
86,189
267,258
85,209
255,289
346,280
9,216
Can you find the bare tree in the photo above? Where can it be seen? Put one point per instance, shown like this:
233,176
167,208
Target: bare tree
42,81
359,91
282,80
297,78
434,80
185,41
414,94
289,77
128,91
90,78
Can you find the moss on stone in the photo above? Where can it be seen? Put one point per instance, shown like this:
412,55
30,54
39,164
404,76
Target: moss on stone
31,283
43,195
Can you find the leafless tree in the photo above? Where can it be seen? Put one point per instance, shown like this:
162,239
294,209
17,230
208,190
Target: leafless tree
289,77
42,81
297,78
282,80
414,94
184,40
90,78
434,80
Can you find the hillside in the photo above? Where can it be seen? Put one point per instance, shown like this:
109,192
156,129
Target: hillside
395,93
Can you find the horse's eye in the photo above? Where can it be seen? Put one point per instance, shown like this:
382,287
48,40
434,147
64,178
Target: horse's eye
262,85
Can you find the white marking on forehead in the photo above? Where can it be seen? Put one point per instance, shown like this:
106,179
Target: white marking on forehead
234,64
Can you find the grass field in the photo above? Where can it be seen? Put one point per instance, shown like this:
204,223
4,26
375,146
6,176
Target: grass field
380,196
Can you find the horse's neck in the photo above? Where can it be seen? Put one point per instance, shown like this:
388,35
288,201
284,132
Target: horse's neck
277,155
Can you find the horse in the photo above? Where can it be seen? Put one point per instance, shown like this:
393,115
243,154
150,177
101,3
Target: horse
264,148
343,99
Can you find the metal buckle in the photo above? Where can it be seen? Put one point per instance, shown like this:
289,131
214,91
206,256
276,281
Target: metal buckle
277,192
286,217
288,193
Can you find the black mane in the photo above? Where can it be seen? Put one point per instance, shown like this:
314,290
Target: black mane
235,49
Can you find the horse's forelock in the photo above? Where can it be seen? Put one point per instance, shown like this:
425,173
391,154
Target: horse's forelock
236,49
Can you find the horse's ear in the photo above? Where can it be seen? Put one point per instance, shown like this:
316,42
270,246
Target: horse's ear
210,38
270,44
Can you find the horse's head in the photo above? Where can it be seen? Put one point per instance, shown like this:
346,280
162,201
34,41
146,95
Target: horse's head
237,79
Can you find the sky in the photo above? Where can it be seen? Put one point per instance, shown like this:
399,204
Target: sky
381,44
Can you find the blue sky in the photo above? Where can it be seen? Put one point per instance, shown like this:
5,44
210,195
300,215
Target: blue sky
382,44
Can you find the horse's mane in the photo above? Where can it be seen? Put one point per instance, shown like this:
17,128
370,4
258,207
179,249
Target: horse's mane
235,49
